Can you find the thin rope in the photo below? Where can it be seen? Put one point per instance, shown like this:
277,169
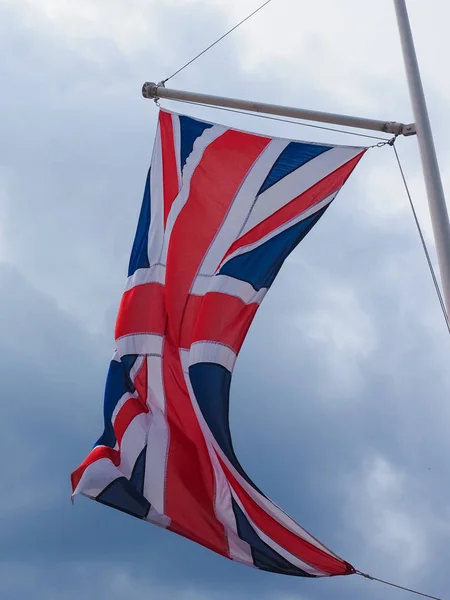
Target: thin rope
217,41
250,114
400,587
422,239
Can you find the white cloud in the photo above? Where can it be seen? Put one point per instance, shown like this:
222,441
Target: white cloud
389,520
129,25
87,580
339,330
93,580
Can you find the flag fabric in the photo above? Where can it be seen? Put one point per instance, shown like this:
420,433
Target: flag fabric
222,209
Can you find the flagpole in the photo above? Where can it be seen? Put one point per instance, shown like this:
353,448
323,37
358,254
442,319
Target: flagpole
156,91
432,177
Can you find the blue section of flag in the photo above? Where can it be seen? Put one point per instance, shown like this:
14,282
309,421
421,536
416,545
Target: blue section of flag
211,384
122,495
260,266
190,130
293,156
118,383
138,474
139,254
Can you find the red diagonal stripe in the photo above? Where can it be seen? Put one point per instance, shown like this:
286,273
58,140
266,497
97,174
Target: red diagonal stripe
297,546
313,195
169,162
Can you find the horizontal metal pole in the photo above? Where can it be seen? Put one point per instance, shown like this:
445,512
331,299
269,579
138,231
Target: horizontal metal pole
153,90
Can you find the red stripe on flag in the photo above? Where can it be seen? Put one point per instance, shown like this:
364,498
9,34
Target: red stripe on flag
224,319
169,162
297,546
190,486
141,383
313,195
214,184
142,310
190,315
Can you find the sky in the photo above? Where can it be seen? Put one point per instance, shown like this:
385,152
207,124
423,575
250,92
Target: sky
340,395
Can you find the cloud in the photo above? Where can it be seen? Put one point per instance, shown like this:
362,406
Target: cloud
87,580
339,324
388,519
96,580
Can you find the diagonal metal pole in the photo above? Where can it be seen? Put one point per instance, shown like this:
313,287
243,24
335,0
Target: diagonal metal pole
432,177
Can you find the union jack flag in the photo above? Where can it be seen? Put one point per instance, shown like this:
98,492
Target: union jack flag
222,209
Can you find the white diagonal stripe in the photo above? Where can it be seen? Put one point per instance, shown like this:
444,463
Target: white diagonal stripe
158,437
298,182
304,215
156,230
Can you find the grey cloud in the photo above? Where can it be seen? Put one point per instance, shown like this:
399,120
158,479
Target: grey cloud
77,148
